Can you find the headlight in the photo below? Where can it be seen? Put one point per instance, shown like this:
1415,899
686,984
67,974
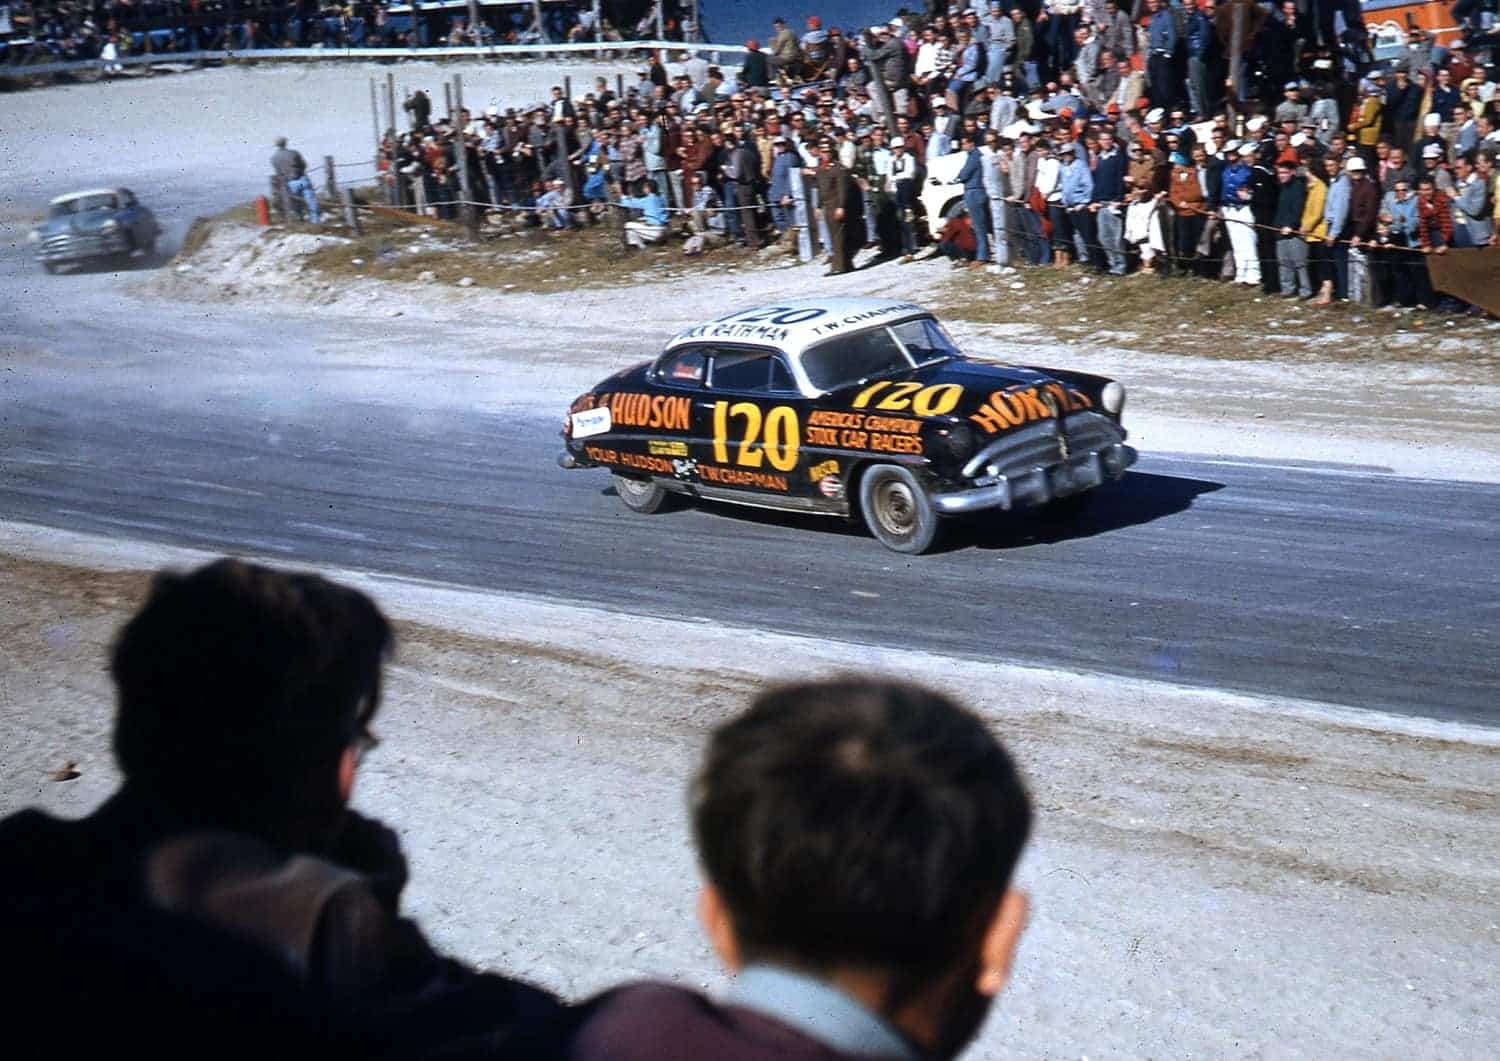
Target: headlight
1113,398
35,236
959,442
109,226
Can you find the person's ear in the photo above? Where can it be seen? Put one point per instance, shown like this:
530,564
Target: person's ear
348,763
998,948
713,915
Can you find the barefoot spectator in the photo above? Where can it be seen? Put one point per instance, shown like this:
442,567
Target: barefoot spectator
809,813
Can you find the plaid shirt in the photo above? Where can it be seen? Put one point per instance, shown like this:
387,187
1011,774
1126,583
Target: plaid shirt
1434,220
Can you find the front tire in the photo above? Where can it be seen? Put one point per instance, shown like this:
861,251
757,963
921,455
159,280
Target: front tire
897,510
640,495
50,268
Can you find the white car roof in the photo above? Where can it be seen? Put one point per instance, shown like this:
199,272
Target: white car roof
79,195
796,324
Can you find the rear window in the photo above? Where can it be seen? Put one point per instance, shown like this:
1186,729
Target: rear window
751,370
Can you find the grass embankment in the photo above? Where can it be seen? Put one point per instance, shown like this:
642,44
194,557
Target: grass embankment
510,256
1205,318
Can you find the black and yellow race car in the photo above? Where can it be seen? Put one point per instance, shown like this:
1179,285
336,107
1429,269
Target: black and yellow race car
853,407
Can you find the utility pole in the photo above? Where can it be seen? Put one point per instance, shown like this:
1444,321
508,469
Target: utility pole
467,212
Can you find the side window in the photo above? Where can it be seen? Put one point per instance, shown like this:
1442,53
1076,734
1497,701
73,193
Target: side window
127,200
757,371
686,368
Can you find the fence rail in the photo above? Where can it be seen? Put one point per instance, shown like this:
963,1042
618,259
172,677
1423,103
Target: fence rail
494,52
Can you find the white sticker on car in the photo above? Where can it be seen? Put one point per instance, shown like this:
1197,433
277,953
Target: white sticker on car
592,422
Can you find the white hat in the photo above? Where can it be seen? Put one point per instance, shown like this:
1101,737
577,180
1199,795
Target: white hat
1154,115
492,110
1433,118
1298,139
1256,124
936,101
899,141
1356,163
1248,148
1432,151
896,23
1231,147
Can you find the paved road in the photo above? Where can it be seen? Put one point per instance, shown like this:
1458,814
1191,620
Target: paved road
1339,585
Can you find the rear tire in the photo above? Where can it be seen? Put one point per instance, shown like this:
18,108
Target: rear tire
50,268
640,495
897,510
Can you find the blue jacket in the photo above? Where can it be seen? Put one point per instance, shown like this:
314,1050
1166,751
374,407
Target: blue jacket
1202,37
1236,176
1077,183
652,206
1336,206
972,175
1162,30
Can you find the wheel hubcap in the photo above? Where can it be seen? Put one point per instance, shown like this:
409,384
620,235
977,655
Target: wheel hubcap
895,509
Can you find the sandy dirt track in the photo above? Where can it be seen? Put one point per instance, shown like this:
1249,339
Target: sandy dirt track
1213,876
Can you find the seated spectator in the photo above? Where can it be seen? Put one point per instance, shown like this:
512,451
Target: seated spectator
956,241
555,206
226,894
651,227
809,814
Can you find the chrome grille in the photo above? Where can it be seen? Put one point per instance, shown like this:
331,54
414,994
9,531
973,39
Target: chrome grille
1036,445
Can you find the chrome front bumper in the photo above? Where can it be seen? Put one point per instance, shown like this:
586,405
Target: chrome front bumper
1042,463
72,247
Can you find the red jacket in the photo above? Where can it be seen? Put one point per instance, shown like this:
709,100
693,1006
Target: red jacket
1434,220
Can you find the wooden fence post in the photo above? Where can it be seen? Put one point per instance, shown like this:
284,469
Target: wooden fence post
801,215
467,212
419,194
390,101
351,215
330,178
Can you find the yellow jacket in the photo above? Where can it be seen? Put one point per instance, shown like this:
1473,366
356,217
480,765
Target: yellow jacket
1365,122
1314,228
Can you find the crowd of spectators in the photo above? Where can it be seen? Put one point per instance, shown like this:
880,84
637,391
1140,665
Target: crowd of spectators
65,30
1100,137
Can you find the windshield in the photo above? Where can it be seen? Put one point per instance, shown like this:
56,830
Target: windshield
853,357
84,204
926,341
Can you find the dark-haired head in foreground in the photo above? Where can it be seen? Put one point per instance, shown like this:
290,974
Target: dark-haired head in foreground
246,695
858,840
226,897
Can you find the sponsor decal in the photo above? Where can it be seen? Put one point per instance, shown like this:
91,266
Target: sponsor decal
831,486
684,469
667,448
865,317
1003,410
638,461
865,431
661,411
711,473
590,422
822,470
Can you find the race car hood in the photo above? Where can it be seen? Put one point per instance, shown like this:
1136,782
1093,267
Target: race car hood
994,397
